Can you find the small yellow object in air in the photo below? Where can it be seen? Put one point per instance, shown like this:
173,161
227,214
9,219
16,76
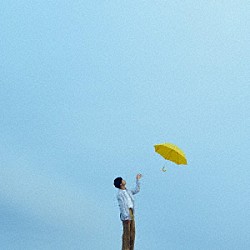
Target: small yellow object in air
171,152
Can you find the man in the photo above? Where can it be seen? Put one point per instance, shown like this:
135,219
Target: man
125,199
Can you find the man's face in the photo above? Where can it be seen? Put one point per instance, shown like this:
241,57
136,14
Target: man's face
123,183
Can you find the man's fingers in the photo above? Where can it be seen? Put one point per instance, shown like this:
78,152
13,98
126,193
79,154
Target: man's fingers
138,176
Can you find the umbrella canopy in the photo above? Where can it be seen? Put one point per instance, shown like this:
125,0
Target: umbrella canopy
171,152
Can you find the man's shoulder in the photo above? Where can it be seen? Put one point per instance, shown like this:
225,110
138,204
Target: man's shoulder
120,192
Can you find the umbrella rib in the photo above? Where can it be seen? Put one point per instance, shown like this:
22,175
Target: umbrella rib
170,153
178,159
178,155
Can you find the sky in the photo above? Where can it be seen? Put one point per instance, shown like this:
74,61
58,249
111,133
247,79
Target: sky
87,88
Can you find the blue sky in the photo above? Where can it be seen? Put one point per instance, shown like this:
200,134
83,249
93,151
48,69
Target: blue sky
87,88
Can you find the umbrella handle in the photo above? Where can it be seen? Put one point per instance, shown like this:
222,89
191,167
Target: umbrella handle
164,168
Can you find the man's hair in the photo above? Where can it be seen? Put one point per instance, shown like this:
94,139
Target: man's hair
117,182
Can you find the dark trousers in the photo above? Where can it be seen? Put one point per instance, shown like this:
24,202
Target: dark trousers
128,237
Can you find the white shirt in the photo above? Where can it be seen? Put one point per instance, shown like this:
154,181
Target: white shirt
129,201
125,198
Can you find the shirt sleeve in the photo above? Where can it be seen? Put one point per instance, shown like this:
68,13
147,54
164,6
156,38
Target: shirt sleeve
123,211
137,187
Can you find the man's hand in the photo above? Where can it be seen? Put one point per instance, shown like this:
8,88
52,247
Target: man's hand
138,176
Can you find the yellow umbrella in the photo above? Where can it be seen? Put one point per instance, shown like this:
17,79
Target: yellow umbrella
171,152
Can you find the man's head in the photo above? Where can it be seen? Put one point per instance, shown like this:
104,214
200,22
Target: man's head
119,183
